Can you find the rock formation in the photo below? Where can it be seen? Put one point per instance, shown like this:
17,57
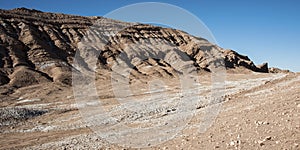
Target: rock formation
37,47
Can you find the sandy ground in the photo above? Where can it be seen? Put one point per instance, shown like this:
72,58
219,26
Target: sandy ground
257,111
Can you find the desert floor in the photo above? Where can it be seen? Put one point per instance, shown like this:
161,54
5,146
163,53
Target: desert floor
257,111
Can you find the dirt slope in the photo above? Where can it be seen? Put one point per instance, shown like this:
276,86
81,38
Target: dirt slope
260,111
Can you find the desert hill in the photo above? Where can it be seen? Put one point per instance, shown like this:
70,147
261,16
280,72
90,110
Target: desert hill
39,47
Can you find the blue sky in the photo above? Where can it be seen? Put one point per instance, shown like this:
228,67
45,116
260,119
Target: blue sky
265,30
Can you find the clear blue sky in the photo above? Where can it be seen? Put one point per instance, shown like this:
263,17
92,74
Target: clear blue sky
265,30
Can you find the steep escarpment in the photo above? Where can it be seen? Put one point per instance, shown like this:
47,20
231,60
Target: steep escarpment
37,47
40,44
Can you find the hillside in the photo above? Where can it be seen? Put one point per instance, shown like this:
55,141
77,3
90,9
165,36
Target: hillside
39,47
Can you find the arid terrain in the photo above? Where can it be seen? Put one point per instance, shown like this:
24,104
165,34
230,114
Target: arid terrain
195,94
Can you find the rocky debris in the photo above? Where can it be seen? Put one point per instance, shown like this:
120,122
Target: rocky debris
45,45
11,116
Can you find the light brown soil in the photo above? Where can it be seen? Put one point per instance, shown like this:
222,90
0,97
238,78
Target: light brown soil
260,111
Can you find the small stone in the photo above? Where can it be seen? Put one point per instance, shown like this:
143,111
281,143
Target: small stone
261,123
261,143
231,143
268,138
217,146
266,123
164,114
258,123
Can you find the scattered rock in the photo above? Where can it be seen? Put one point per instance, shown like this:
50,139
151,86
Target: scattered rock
9,116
